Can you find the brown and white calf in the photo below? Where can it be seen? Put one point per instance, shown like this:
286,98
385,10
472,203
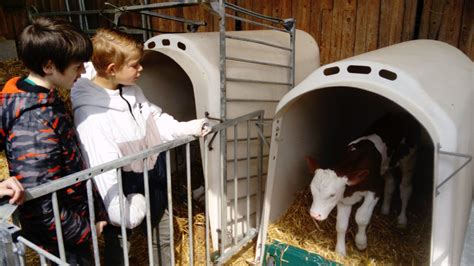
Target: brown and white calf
389,144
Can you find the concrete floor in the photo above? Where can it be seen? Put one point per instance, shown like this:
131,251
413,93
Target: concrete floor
468,250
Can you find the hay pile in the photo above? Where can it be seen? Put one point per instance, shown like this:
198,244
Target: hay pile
387,244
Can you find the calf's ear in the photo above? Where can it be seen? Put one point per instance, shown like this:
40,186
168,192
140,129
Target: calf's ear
356,177
311,164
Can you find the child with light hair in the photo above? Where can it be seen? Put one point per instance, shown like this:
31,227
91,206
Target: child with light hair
114,119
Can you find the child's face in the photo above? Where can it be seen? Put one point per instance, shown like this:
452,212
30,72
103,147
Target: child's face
66,79
129,72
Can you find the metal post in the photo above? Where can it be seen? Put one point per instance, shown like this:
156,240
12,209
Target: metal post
248,178
236,194
223,133
59,230
90,202
122,213
190,203
206,198
170,204
149,235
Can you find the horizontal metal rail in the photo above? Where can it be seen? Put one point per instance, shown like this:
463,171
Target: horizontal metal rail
232,251
252,100
252,13
235,121
258,81
256,23
97,170
123,8
257,62
245,159
257,41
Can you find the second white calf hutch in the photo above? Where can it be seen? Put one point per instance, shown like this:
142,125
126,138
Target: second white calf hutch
431,80
182,75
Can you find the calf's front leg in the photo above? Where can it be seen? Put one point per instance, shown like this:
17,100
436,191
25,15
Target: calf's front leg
343,214
363,215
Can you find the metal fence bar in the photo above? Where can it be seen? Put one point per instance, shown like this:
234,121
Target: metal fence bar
236,195
66,2
253,14
256,62
190,203
90,202
260,169
41,252
223,133
258,81
100,169
255,23
292,54
59,230
206,198
248,178
259,42
455,154
122,218
170,204
149,230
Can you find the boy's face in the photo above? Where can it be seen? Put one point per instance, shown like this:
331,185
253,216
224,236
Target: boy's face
66,79
129,72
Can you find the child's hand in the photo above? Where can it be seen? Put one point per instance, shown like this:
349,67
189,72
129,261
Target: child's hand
206,128
13,188
99,227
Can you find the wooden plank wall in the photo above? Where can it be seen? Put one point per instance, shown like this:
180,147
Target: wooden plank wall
342,28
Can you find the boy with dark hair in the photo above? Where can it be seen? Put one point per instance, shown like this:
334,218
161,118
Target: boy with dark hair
39,139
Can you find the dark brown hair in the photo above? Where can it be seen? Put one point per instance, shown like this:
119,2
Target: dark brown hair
56,40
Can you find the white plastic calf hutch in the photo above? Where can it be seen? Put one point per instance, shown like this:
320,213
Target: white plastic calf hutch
429,79
181,75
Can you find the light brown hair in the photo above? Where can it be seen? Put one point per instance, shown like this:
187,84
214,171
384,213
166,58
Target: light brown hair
112,46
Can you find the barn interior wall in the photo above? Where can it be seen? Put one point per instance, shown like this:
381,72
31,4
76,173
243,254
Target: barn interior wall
342,28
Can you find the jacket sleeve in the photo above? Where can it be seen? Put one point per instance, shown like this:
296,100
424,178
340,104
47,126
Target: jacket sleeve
169,127
35,157
100,149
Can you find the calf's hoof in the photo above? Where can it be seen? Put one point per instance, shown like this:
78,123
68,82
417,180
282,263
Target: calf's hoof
341,251
402,222
361,242
385,210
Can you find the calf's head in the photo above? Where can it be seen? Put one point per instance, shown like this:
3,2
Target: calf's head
327,188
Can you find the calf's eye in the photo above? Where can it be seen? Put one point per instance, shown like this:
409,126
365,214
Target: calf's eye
332,195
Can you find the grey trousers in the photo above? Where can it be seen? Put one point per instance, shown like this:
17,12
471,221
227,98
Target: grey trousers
160,243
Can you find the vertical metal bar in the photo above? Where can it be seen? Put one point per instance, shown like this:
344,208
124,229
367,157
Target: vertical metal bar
122,213
21,254
59,230
236,194
260,171
42,260
145,24
292,55
190,204
206,199
80,16
248,177
170,203
149,235
66,2
83,8
223,133
90,202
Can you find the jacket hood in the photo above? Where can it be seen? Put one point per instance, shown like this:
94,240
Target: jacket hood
15,101
87,93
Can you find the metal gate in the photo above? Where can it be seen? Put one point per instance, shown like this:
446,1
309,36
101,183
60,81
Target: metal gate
13,245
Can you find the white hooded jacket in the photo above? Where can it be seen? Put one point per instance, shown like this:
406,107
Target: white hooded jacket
115,123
